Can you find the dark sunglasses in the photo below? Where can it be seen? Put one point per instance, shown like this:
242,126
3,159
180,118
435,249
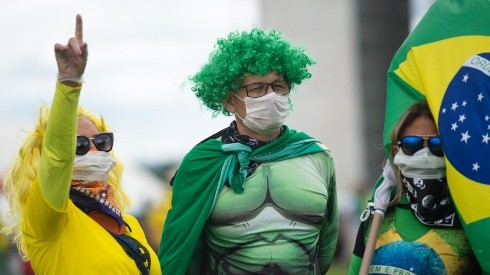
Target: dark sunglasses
411,144
102,141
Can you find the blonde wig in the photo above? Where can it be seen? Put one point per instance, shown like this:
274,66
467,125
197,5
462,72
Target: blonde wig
23,172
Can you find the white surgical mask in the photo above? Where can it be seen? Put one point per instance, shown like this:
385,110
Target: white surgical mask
93,166
265,114
422,165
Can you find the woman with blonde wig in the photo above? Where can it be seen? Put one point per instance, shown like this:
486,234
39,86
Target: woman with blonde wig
64,189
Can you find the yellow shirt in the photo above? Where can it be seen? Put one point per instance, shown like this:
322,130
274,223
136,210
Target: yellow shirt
60,238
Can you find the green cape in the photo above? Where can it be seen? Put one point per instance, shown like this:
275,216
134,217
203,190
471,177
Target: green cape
199,181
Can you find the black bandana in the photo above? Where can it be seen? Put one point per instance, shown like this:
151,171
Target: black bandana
430,201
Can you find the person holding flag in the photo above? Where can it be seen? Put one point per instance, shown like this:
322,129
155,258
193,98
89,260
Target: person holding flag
420,221
446,61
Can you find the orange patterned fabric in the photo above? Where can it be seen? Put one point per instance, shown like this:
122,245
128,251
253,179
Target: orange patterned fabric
95,196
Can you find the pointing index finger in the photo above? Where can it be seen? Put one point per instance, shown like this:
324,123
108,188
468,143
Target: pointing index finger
79,30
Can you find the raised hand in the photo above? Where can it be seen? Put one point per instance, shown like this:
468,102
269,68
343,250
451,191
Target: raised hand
72,57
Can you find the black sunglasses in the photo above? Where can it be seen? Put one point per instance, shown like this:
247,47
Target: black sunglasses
412,144
102,141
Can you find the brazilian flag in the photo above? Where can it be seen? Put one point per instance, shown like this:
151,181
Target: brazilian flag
446,60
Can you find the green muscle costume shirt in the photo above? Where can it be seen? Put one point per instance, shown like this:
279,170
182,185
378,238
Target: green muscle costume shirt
289,202
60,238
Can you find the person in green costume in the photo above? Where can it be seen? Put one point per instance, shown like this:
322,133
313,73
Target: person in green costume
420,232
256,197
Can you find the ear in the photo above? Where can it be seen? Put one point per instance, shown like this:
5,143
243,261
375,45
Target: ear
230,103
394,150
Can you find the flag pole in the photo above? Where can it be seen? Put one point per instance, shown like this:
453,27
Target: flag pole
367,258
381,200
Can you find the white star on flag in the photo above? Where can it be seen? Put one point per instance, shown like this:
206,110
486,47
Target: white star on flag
465,136
454,126
480,97
454,106
462,118
486,138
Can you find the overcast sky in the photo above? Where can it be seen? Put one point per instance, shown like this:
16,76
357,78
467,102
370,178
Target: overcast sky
140,56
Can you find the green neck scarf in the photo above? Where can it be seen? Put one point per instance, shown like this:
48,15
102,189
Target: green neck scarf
239,156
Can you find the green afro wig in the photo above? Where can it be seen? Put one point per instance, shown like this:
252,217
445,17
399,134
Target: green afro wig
257,52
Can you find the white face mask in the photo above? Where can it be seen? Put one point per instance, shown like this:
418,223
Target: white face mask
93,166
422,165
265,114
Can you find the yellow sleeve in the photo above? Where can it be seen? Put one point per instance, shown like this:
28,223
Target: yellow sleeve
58,150
47,200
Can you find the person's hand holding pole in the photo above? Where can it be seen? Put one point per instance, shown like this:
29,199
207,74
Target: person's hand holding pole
381,201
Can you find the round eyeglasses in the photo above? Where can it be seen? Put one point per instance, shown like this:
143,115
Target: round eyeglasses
259,89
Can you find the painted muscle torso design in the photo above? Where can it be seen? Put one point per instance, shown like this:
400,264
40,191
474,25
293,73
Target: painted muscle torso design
270,228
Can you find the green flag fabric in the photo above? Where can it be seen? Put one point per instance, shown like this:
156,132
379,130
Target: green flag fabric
446,60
